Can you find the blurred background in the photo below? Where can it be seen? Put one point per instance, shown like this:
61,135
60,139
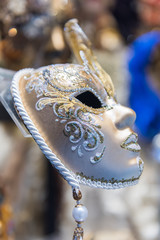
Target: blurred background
35,203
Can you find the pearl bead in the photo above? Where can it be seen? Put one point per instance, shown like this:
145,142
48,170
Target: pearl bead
80,213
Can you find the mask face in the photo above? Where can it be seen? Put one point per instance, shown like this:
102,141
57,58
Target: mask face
74,112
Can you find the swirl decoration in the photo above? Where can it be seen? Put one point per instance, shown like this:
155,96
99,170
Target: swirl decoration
80,128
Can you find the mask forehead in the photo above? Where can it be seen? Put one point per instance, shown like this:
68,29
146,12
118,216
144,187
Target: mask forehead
70,79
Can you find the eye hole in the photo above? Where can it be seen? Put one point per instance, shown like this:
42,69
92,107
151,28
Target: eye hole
89,99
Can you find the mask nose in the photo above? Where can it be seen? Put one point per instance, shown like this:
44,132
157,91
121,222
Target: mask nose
125,117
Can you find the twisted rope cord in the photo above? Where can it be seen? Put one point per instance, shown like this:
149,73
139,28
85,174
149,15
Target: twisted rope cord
54,160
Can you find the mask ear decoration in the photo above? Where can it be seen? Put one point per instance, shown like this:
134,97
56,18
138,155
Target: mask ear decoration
81,46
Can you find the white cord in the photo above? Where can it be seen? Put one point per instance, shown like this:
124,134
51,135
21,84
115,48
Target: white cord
67,175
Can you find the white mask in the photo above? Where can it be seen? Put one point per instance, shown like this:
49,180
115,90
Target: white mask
72,114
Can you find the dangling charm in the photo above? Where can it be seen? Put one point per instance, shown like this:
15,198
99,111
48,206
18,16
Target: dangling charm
78,233
79,213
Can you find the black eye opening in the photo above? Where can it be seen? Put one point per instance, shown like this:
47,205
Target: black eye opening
89,99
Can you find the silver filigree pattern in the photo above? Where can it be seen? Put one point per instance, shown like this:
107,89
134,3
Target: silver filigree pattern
80,127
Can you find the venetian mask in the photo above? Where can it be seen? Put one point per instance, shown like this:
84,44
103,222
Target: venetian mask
72,113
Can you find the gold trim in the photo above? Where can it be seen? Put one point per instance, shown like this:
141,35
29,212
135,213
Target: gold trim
112,180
